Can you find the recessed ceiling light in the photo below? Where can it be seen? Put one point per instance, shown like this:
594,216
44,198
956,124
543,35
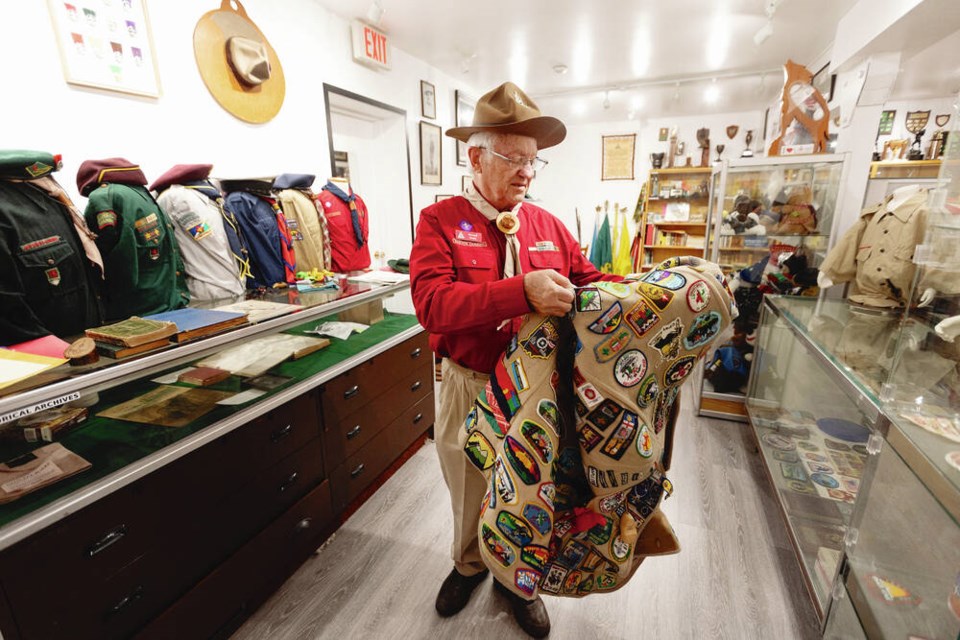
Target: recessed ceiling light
560,69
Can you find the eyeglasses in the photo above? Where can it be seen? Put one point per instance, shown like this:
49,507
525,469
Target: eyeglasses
535,163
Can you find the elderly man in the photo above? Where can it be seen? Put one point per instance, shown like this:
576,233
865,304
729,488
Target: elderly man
479,262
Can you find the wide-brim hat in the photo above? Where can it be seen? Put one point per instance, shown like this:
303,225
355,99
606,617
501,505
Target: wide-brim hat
238,65
507,109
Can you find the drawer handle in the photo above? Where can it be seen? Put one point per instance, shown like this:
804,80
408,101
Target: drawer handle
353,433
416,352
416,385
280,434
292,478
111,538
352,391
417,418
357,471
304,524
126,601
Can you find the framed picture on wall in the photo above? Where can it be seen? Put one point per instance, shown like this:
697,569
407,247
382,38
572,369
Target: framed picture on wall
341,164
106,45
887,117
618,152
463,107
465,182
431,157
823,82
445,196
428,100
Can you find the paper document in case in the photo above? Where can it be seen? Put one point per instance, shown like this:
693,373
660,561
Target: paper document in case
16,366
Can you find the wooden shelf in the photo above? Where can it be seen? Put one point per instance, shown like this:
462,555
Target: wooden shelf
671,246
678,224
682,170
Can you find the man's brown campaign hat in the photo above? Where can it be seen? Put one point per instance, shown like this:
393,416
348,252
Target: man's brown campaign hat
507,109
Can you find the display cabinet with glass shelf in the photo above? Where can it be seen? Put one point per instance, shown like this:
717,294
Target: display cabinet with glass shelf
675,208
886,176
761,210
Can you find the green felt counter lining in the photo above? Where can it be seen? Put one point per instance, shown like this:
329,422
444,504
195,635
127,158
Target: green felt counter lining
110,445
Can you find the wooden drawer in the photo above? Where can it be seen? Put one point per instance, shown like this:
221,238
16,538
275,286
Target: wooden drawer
222,600
411,424
347,436
346,393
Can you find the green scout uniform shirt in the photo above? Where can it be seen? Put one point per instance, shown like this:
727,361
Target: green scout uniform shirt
142,265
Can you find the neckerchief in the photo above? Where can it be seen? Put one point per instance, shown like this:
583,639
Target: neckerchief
511,259
354,214
234,241
51,187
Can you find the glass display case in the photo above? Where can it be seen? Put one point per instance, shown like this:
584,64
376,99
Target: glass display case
772,221
132,416
886,176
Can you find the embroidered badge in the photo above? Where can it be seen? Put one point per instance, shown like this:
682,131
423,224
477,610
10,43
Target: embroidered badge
200,231
536,436
619,550
466,226
630,368
588,299
37,244
825,480
547,493
514,529
679,370
504,482
666,279
526,580
572,581
536,556
501,551
589,438
622,437
471,421
617,289
538,518
667,340
521,461
585,586
612,503
38,168
648,391
512,347
506,395
604,415
608,320
612,346
644,442
606,581
641,317
889,591
547,409
492,416
106,219
589,395
659,296
592,559
544,245
698,296
542,341
553,581
53,275
479,451
572,553
703,329
468,236
154,254
518,375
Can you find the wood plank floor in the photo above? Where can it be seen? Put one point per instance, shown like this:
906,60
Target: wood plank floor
736,576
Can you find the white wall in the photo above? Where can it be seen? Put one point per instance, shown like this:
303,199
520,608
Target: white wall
936,106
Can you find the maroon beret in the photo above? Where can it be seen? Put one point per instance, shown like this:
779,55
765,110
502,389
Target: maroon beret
93,173
181,174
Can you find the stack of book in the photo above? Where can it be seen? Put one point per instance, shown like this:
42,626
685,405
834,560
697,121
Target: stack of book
131,337
193,324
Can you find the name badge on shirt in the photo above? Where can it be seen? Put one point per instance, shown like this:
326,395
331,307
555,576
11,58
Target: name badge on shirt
544,245
468,236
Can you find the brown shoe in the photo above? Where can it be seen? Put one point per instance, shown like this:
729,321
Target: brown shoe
531,615
455,592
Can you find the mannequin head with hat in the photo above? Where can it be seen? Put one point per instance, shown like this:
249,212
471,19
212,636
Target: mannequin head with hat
507,132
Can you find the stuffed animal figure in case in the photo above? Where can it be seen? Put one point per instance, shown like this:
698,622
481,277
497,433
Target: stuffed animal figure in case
574,430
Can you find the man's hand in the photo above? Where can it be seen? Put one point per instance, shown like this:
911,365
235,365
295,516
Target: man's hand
548,292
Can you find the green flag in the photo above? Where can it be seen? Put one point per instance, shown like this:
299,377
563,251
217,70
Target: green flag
601,254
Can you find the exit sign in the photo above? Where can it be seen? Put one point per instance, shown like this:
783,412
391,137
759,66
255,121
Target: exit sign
370,46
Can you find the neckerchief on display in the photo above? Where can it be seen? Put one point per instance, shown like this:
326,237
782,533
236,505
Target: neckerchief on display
234,241
51,187
354,213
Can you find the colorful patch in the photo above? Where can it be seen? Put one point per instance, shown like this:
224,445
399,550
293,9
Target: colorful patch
703,329
514,529
661,412
644,442
612,346
519,375
504,482
479,451
147,222
504,391
538,517
679,370
547,409
489,411
630,368
649,389
604,415
589,438
37,244
606,581
553,581
698,296
608,320
667,340
526,580
599,534
501,551
536,556
825,480
786,456
586,585
621,438
474,237
548,493
619,550
471,421
538,439
617,289
888,591
570,584
542,341
659,296
522,461
666,279
466,226
512,346
38,168
641,317
53,275
572,554
588,299
589,395
592,560
106,219
200,231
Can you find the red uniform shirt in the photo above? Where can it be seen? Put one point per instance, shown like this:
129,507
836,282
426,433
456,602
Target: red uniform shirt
345,255
456,277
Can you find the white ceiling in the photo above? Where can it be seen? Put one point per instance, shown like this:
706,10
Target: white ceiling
612,45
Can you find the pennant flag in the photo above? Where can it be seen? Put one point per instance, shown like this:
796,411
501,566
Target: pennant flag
601,255
621,253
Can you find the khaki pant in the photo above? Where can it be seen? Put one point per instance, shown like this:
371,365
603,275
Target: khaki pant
466,484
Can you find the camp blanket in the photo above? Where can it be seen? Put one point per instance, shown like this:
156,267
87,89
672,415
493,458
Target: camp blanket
573,512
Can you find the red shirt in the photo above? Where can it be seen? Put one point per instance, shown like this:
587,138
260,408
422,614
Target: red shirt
456,277
345,255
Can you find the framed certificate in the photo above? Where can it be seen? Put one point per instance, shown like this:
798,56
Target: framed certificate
618,152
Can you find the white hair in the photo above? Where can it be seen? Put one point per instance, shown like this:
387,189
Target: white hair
484,140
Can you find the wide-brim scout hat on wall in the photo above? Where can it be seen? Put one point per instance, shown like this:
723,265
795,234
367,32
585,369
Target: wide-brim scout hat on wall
237,64
507,109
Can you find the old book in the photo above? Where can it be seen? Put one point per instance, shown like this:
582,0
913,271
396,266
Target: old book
260,310
167,406
199,323
133,331
203,376
52,424
255,357
35,470
117,351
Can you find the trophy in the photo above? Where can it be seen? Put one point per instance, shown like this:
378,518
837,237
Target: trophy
720,149
656,159
916,124
732,131
748,152
703,139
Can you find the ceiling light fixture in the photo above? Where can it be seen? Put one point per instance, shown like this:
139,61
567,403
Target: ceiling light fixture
375,13
712,92
766,30
676,93
560,69
606,100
